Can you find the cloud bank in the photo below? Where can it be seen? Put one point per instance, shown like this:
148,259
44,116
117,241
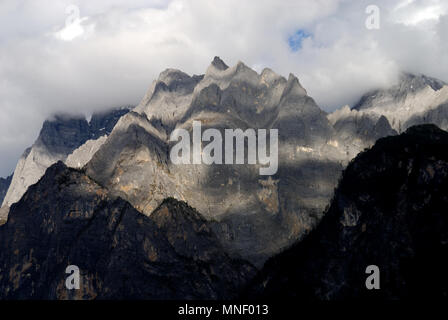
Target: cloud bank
82,56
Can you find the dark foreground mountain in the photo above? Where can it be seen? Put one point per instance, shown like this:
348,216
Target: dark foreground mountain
67,219
389,210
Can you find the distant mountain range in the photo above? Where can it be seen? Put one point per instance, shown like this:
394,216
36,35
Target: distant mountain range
120,166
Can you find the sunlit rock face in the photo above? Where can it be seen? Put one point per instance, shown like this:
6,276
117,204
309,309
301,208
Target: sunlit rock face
120,253
415,99
254,215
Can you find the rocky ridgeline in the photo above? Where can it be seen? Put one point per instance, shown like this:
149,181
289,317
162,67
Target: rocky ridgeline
415,99
134,161
58,138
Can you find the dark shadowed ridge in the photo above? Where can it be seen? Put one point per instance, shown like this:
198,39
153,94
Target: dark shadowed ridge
389,210
68,219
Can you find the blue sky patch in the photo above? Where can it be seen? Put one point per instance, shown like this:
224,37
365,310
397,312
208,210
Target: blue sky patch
295,41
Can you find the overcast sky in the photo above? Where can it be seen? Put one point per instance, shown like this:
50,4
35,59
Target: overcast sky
53,59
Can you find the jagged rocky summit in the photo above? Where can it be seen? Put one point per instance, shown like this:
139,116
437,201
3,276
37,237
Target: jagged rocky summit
134,161
415,99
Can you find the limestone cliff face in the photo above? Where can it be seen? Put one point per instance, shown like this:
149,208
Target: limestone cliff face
58,138
389,210
134,161
3,214
67,219
81,156
357,130
415,99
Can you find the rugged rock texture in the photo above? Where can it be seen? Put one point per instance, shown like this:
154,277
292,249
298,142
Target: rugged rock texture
67,219
58,138
134,161
102,123
411,102
389,210
63,134
4,214
81,156
356,130
438,116
4,185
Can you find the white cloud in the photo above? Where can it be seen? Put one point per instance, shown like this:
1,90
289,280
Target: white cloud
112,51
75,30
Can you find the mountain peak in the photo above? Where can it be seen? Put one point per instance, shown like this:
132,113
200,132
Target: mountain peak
407,83
219,64
168,76
240,66
294,87
415,82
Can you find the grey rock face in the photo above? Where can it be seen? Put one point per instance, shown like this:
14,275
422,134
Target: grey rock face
81,156
102,123
59,137
410,102
219,64
63,134
437,116
257,215
4,214
408,83
121,254
356,130
364,128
